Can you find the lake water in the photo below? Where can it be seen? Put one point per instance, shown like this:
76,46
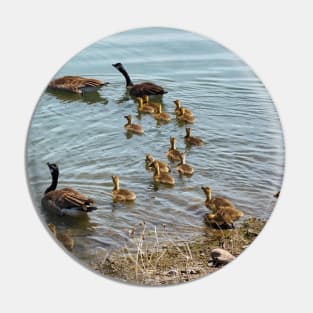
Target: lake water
242,159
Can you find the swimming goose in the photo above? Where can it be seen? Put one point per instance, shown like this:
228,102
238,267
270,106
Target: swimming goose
134,128
224,212
161,116
76,84
164,167
66,201
192,140
67,240
178,107
163,178
182,167
139,90
144,108
173,153
121,194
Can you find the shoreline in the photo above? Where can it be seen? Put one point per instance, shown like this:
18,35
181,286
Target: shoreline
146,261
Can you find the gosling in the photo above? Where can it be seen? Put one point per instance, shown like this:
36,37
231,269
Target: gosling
164,167
134,128
224,212
173,154
178,107
182,167
163,178
185,117
121,195
161,116
192,140
144,108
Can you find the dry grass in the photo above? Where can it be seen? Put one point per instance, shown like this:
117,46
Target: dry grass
153,258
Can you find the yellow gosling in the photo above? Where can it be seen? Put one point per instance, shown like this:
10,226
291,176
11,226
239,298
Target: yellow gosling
182,167
134,128
163,178
185,117
192,140
144,108
121,195
173,154
161,116
224,212
164,167
178,107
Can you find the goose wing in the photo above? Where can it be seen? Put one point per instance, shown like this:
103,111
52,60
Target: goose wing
75,82
146,89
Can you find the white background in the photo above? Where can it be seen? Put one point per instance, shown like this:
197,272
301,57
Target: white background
274,37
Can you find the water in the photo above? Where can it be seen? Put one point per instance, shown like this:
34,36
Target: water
242,159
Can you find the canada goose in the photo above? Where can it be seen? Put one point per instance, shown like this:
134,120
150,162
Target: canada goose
138,129
164,167
224,212
67,241
144,108
76,84
161,116
66,201
178,107
121,194
173,153
163,178
182,167
192,140
139,90
185,117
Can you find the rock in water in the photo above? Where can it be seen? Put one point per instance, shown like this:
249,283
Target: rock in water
221,256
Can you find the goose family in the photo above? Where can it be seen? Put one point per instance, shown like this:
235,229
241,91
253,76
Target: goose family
68,201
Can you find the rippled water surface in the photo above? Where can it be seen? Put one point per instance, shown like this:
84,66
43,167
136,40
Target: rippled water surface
242,159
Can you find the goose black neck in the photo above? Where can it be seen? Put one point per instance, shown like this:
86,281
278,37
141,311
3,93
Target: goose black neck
53,186
129,82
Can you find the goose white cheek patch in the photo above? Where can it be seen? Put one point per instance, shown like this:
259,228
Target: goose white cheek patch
155,161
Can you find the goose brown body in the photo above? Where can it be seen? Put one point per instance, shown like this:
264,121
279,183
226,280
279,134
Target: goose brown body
134,128
163,178
224,212
139,90
192,140
161,116
65,239
76,84
182,167
164,167
173,154
66,201
121,195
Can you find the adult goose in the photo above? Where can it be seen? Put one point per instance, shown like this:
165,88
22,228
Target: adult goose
139,90
76,84
66,201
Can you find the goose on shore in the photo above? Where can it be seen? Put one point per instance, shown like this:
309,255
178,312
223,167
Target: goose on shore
142,89
224,212
76,84
66,201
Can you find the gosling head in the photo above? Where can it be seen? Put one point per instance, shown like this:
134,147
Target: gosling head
177,102
129,118
206,190
149,158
